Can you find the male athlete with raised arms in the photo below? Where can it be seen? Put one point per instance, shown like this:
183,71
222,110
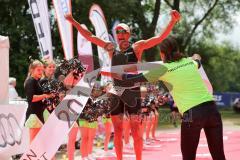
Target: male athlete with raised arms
129,101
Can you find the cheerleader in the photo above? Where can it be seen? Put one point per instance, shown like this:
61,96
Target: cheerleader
48,75
88,125
106,119
35,96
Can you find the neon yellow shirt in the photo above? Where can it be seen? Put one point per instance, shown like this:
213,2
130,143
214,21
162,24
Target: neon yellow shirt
184,83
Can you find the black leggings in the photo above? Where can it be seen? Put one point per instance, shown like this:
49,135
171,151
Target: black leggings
204,116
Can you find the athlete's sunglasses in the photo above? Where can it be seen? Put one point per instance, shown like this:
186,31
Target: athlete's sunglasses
120,31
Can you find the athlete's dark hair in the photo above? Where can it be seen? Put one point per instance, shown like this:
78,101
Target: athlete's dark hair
169,47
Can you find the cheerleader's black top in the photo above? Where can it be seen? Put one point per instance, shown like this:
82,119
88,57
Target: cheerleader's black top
31,88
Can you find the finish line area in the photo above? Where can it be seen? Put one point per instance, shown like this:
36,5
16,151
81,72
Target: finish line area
167,147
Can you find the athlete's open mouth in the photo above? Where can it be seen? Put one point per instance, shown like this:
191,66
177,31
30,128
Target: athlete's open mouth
121,39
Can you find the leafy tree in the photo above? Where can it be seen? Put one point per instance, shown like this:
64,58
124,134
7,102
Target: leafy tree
221,64
16,23
201,20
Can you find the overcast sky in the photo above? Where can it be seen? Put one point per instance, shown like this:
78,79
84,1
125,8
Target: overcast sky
234,35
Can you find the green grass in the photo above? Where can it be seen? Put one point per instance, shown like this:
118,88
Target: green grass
230,115
165,122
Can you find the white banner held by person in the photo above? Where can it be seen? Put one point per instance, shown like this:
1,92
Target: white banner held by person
63,7
85,51
14,138
140,67
145,68
39,11
205,79
98,20
122,69
60,122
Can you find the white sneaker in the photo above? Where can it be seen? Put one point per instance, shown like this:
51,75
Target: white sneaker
108,154
128,146
147,142
91,157
152,140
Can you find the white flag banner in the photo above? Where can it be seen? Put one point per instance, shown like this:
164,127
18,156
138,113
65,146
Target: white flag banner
40,15
98,20
4,69
205,78
60,122
14,138
114,31
85,51
63,7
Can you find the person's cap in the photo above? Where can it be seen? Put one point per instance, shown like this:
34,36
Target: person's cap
123,26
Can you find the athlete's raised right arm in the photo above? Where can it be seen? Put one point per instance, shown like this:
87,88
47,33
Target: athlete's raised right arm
88,35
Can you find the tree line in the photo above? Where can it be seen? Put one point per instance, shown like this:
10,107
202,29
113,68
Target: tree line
196,32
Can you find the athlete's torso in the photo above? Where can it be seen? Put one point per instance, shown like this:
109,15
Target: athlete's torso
122,58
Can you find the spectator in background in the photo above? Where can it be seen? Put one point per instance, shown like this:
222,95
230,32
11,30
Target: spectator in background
12,90
236,105
48,75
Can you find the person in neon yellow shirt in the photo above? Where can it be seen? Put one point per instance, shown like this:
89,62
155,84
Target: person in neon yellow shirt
194,101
